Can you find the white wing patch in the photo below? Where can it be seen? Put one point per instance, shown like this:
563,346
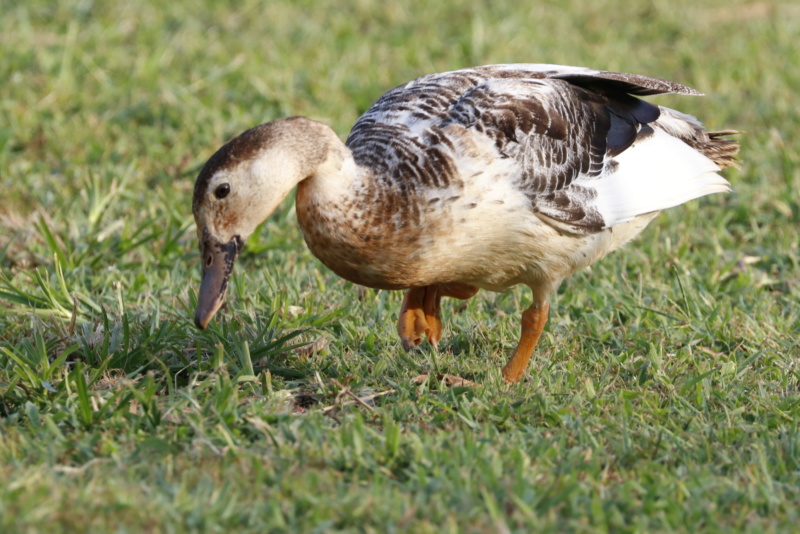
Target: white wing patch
656,173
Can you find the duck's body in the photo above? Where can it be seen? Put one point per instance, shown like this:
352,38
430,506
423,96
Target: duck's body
480,178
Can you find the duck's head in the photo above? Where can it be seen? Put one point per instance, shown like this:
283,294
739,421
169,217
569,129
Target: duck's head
239,187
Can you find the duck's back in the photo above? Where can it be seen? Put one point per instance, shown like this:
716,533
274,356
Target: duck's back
557,125
492,161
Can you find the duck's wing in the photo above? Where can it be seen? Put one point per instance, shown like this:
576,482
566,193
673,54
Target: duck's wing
587,153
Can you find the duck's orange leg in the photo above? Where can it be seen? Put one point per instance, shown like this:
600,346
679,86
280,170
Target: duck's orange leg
411,323
420,311
533,321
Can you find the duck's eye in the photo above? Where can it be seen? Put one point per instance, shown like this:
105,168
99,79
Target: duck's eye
222,191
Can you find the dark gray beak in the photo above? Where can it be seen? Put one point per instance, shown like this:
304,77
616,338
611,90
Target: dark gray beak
218,259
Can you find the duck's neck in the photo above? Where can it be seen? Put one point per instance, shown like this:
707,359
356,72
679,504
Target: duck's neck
300,152
329,179
336,171
331,209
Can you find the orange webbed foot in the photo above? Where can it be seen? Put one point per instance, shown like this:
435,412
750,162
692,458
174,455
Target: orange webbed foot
421,312
411,323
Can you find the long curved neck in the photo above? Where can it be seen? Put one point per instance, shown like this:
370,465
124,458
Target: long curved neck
330,208
298,151
333,172
311,143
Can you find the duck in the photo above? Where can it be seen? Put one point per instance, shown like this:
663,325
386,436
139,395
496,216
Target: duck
480,178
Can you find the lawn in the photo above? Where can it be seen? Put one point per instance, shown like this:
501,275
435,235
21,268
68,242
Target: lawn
663,396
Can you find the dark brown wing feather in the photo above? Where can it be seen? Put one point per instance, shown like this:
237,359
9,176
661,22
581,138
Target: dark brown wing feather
557,123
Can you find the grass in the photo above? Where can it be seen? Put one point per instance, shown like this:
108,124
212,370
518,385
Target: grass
662,397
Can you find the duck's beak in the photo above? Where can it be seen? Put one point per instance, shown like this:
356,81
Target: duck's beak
218,259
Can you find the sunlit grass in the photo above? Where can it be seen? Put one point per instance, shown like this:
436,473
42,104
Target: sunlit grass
663,395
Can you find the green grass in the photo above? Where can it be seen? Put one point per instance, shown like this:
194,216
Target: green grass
662,397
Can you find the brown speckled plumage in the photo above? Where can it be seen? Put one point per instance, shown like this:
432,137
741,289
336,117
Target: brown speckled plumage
479,178
555,125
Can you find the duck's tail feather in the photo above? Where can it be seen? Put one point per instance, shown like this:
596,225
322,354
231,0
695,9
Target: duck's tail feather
714,145
672,161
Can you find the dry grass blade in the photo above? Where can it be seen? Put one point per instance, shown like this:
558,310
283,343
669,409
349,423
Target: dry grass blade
448,380
355,399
